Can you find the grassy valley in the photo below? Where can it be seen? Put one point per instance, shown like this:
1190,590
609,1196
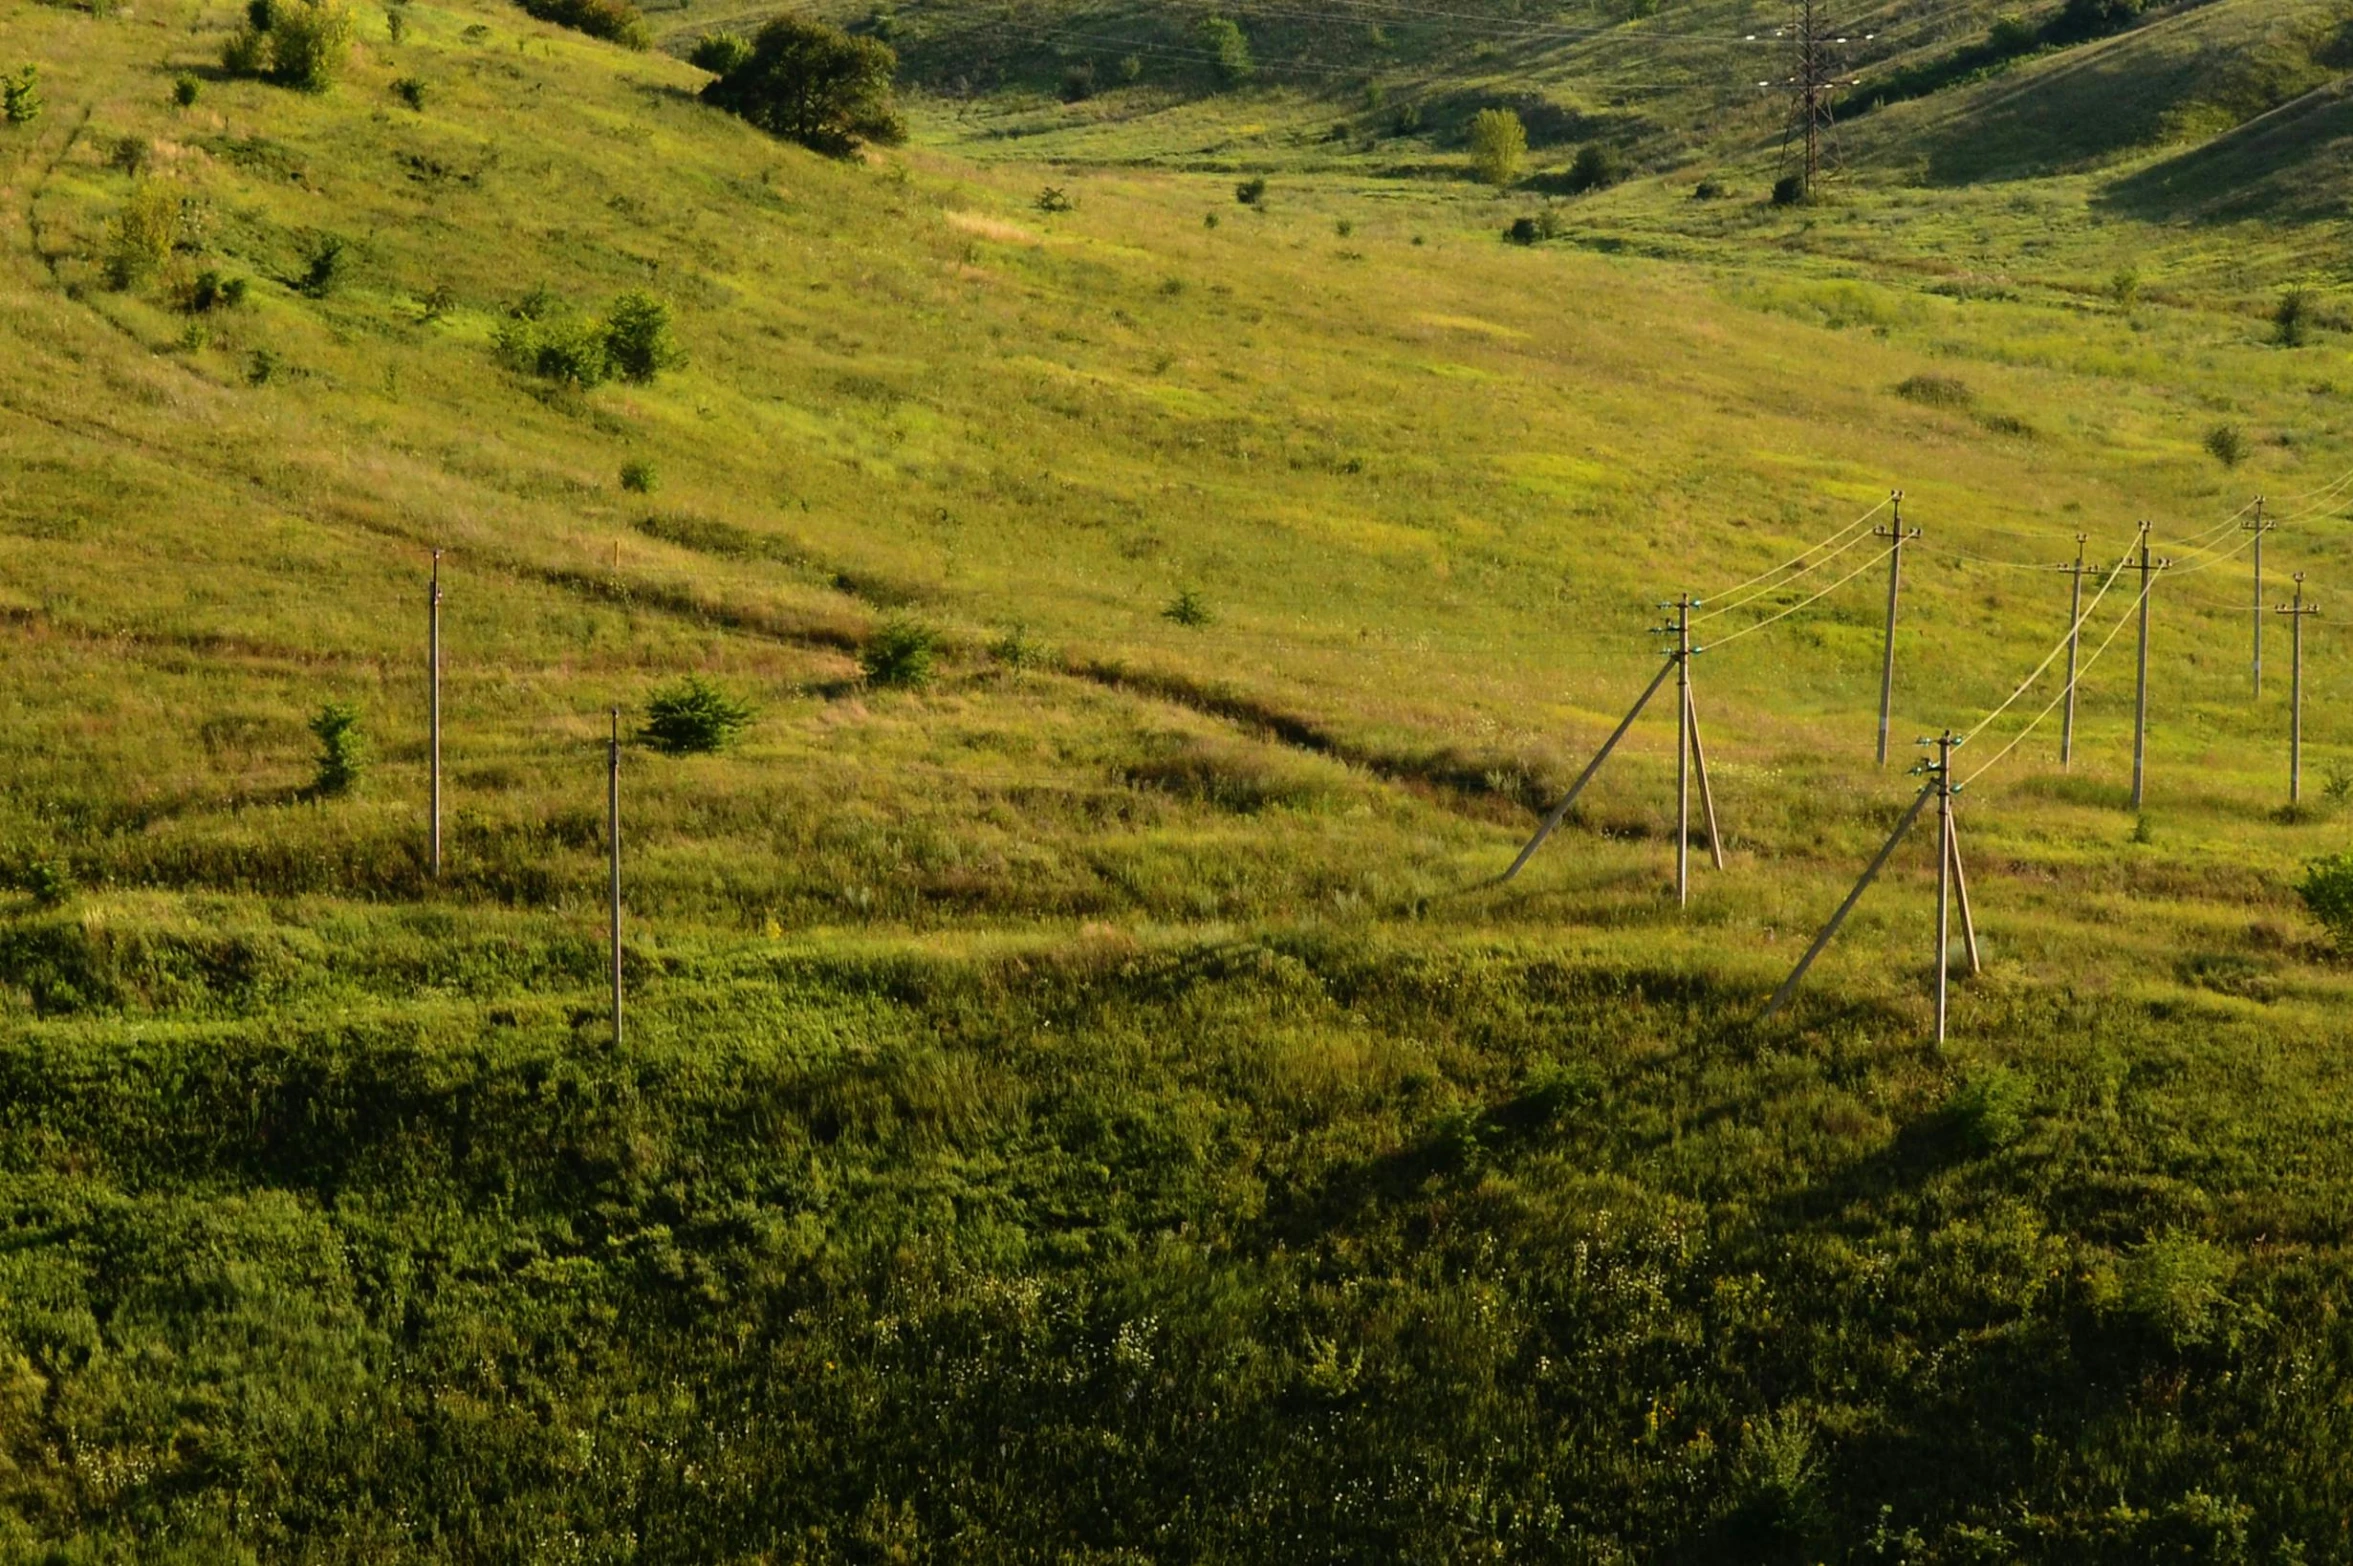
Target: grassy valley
1087,1094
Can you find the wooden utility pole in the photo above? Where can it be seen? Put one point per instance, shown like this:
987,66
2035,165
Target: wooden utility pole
2296,612
2258,527
1691,757
2074,637
1560,811
2140,695
433,702
613,839
1870,874
1897,537
1944,874
1683,738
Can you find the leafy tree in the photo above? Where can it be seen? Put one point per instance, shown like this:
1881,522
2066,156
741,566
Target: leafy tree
2291,319
294,43
694,717
1229,49
1499,145
20,96
637,337
343,752
815,84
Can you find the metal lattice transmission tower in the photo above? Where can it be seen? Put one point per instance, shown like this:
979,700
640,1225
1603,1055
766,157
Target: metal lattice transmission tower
1814,73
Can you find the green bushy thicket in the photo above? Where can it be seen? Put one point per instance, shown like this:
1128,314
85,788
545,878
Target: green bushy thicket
1382,1255
295,43
615,21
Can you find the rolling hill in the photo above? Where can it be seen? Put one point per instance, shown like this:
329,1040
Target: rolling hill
1099,1103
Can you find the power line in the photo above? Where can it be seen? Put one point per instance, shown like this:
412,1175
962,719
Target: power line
1799,557
2075,628
1746,630
2113,632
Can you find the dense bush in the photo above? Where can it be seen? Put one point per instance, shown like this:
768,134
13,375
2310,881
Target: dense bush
543,336
1252,191
1596,168
615,21
323,266
812,83
1188,609
1499,146
343,751
719,53
1789,190
694,717
2291,318
902,653
186,89
2327,890
2227,444
295,43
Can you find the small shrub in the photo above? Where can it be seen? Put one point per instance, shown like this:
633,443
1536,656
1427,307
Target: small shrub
211,291
638,343
1407,121
719,53
130,155
903,653
143,235
639,477
396,25
262,367
1344,228
1131,69
1499,145
2327,890
1596,168
1055,199
1078,82
1251,191
693,717
439,301
1228,49
1189,609
1989,1110
1789,190
615,21
2227,444
409,90
2291,318
2337,783
2144,833
51,881
1523,231
1209,220
323,266
186,89
343,753
1017,649
1936,391
20,96
2172,1287
1709,189
2125,287
560,347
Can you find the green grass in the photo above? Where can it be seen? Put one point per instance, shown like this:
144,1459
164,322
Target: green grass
1097,1104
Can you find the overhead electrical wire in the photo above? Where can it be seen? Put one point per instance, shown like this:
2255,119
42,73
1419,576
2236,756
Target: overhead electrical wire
2074,630
2033,723
1790,564
1800,604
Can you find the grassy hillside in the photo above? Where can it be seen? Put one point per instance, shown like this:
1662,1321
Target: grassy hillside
1099,1104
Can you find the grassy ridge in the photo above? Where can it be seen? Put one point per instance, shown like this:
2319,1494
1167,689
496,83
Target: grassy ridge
1095,1105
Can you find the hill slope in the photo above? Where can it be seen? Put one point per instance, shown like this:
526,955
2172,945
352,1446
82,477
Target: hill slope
1099,1104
